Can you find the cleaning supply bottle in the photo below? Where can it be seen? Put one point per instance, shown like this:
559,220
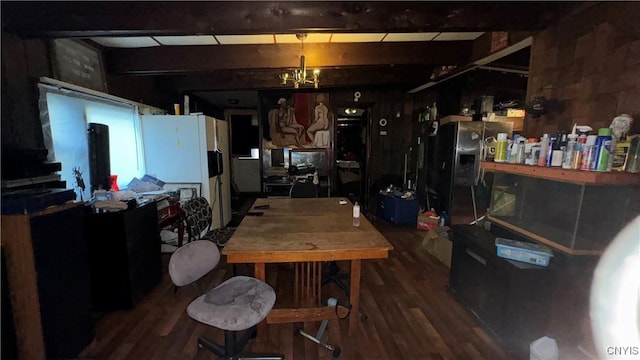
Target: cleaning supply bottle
356,214
519,159
570,152
553,143
602,150
544,147
588,152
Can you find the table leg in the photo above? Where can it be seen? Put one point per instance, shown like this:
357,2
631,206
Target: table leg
354,296
260,274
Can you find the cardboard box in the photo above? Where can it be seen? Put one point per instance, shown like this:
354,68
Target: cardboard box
437,245
426,222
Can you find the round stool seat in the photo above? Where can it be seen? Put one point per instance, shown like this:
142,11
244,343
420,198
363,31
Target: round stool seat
236,304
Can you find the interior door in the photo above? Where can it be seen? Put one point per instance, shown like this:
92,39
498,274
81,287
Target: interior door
218,138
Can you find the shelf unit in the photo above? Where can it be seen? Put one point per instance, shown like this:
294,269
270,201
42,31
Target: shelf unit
565,175
564,209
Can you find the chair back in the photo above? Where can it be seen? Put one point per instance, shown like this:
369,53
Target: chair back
192,261
198,216
303,189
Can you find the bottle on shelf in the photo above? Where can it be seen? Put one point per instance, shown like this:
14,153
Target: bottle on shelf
588,151
571,152
501,148
602,151
544,148
519,158
553,144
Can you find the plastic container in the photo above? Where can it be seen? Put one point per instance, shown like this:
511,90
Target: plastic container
544,348
501,148
535,254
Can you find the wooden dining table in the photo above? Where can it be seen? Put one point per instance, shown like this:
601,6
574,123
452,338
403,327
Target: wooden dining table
307,232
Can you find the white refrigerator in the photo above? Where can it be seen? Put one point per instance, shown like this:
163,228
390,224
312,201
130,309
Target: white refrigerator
177,150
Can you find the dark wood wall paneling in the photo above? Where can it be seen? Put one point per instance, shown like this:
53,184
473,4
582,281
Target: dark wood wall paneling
590,63
23,62
387,151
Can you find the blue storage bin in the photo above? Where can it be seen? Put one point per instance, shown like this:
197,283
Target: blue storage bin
398,210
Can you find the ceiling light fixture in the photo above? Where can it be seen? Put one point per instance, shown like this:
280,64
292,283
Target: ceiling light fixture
299,76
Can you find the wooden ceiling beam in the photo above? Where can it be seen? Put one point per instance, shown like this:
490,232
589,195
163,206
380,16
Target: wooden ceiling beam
402,77
115,18
203,59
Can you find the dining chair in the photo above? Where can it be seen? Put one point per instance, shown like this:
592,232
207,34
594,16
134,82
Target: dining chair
198,217
303,188
237,304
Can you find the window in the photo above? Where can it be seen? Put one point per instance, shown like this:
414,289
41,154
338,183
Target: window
65,132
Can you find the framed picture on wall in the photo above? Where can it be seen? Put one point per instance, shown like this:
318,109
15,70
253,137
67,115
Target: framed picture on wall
185,191
78,63
299,120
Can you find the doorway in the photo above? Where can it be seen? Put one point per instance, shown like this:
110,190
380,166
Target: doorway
351,152
245,153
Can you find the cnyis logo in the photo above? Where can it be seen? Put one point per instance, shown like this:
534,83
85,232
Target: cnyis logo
623,350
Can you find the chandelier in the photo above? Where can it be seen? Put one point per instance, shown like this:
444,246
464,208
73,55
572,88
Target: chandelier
299,76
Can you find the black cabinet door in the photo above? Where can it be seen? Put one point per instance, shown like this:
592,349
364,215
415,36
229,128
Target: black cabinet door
61,261
479,281
125,256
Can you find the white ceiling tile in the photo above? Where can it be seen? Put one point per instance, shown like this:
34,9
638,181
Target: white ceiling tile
342,37
126,42
311,38
457,36
186,40
423,36
245,39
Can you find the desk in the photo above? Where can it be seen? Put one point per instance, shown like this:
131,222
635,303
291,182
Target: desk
306,230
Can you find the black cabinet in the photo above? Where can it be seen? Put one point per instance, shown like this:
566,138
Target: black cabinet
125,257
48,278
511,298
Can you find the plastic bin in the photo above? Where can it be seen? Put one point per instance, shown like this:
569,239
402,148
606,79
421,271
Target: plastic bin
522,251
398,210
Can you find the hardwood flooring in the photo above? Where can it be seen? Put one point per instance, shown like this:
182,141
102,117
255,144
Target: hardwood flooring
410,315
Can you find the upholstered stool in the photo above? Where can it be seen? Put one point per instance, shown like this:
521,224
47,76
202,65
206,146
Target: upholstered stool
235,305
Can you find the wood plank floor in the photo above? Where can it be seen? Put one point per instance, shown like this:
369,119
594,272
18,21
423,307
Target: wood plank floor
410,315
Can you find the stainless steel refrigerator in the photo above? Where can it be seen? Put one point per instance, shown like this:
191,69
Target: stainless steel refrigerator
453,168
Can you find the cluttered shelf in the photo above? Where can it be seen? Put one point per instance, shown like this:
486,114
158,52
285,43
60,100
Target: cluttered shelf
565,175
